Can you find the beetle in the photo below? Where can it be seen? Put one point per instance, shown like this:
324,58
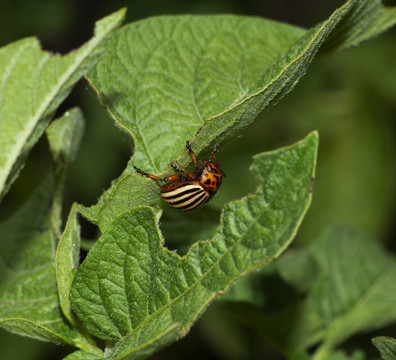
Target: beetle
189,191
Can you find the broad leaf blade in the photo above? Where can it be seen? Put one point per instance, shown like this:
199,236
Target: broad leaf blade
29,303
130,288
156,338
212,74
349,288
166,71
33,84
356,290
386,346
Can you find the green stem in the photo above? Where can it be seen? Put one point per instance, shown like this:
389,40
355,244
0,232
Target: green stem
322,351
86,343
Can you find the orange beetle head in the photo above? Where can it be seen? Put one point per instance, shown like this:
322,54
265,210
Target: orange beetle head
211,175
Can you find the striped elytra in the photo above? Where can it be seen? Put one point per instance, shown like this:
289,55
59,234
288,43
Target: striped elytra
187,195
191,190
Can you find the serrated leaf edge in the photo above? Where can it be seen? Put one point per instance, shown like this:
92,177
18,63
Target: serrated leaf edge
169,330
186,328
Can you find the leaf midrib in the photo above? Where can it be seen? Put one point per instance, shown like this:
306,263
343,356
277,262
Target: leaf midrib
274,79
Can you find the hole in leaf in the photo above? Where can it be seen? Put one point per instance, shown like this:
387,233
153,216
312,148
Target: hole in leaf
182,229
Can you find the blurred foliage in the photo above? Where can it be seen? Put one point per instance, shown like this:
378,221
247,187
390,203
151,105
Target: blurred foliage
349,97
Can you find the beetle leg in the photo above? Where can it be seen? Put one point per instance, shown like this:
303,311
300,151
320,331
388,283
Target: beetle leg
175,167
141,172
166,179
188,146
172,177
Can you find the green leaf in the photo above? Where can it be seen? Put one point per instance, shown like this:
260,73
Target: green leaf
64,136
349,288
368,19
135,348
207,74
29,303
30,286
355,290
386,346
33,84
291,330
67,262
131,191
299,268
130,289
82,355
341,355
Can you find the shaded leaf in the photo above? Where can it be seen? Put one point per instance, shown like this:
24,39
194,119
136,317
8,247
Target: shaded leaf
304,269
29,286
200,225
64,136
291,331
355,290
33,84
349,288
386,346
29,303
67,262
341,355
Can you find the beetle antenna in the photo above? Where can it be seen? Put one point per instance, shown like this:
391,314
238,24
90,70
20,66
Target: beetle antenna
214,154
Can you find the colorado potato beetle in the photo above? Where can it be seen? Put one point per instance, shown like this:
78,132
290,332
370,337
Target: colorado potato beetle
189,191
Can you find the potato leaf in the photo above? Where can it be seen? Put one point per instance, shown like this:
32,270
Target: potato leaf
131,290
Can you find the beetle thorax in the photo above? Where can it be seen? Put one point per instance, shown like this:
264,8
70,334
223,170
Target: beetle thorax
211,176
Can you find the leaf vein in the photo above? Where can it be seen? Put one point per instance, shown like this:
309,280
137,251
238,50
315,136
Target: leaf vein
196,283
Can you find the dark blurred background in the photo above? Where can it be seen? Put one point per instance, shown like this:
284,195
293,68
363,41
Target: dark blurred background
349,97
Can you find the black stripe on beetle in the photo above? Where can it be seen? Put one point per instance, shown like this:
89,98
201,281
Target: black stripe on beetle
186,197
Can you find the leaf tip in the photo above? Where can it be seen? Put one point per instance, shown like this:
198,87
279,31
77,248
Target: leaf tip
112,21
314,135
